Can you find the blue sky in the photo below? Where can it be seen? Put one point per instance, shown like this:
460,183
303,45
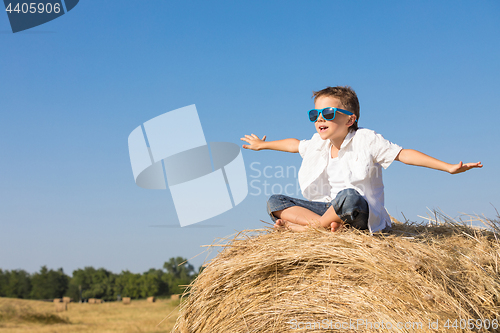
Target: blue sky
426,73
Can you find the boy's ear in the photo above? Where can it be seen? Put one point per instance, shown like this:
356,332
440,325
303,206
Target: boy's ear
351,121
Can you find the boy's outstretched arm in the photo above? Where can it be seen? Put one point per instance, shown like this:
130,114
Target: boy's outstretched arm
414,157
287,145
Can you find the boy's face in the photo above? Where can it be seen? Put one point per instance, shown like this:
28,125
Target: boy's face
331,129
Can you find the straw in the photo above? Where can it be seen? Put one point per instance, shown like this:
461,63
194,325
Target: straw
412,278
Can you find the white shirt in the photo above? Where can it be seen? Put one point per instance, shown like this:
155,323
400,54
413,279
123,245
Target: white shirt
361,157
335,176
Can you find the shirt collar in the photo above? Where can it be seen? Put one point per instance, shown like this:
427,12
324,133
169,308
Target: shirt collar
325,146
348,138
328,144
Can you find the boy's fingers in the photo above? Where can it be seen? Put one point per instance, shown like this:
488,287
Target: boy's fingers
474,165
264,138
462,167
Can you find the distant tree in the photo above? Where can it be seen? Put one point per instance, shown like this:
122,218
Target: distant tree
179,274
98,283
49,284
150,285
179,268
73,290
94,283
103,284
16,283
129,284
162,285
80,282
4,281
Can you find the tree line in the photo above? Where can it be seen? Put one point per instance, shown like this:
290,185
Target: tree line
97,283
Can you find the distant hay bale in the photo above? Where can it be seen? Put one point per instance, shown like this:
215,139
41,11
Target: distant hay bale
126,300
61,307
405,280
57,300
174,297
92,300
66,299
98,301
151,299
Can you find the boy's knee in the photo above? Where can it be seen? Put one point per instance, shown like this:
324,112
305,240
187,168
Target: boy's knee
277,202
352,208
275,199
273,204
350,199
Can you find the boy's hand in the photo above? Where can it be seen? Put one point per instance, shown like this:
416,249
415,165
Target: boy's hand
254,142
460,167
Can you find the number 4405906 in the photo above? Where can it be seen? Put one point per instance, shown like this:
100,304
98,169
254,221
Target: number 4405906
34,7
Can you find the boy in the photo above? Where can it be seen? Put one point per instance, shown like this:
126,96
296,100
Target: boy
341,173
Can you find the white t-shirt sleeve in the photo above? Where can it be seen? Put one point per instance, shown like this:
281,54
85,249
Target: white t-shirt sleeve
383,151
303,144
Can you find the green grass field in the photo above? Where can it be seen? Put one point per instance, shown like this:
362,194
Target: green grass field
17,315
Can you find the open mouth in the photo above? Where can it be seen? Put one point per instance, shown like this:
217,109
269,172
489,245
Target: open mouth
323,128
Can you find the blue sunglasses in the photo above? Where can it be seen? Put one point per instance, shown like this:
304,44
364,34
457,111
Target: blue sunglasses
327,113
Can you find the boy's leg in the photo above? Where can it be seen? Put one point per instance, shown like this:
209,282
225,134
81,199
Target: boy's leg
303,216
352,208
331,220
292,226
298,213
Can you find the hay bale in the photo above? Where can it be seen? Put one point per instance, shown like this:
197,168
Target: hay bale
61,307
92,300
410,278
66,299
98,301
126,300
57,300
174,297
151,299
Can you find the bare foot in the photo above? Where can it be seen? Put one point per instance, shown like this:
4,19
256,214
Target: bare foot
335,226
287,225
279,223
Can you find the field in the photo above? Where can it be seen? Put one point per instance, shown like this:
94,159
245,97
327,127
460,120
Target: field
18,315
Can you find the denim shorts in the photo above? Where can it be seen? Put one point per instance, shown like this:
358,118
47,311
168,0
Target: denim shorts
349,205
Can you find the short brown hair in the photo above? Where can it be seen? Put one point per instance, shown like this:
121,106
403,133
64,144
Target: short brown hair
347,98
